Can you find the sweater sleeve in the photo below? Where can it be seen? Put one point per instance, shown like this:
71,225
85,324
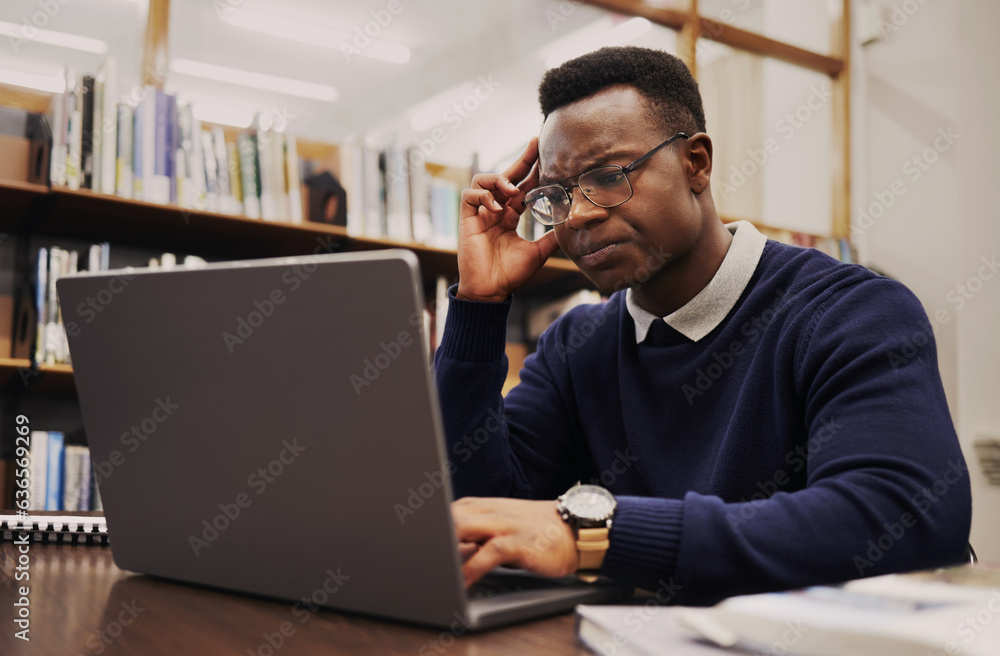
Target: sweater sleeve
515,447
887,487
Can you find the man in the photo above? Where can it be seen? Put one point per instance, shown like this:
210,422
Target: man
738,398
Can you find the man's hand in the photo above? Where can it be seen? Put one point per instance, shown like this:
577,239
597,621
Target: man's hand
493,260
514,532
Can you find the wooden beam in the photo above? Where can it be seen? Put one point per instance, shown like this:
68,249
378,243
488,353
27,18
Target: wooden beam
768,47
841,88
36,102
687,44
154,50
728,35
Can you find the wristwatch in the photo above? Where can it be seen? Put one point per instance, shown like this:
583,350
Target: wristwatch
588,510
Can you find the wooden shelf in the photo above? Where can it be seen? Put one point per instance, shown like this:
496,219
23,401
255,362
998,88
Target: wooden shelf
83,214
17,374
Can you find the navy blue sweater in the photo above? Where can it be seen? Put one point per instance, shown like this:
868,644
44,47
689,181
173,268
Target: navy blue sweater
805,440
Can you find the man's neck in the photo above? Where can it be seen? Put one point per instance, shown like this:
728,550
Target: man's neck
682,279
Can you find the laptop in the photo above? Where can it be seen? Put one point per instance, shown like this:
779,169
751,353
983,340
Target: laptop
272,427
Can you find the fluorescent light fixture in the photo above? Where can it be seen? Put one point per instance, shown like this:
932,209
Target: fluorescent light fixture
51,84
582,43
236,116
283,85
26,33
315,35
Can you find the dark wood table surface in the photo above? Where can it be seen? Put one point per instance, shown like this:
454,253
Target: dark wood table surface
81,603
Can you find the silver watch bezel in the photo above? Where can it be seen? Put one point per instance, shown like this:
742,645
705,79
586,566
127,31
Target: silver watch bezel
602,519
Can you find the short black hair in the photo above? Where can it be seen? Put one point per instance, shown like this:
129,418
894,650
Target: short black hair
661,78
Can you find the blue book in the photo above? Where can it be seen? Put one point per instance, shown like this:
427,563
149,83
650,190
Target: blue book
138,130
53,491
173,143
162,149
86,480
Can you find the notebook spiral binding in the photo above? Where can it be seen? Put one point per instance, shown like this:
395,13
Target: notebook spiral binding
54,529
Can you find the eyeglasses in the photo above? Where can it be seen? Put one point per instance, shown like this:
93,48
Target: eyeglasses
605,186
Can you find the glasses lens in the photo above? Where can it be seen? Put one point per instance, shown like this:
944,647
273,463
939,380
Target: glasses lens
607,186
548,205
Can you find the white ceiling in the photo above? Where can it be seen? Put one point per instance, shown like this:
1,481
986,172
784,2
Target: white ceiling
454,45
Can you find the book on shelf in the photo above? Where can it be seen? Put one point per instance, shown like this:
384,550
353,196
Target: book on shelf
246,144
54,474
61,476
50,345
38,469
58,126
152,148
74,130
123,154
947,611
87,131
108,127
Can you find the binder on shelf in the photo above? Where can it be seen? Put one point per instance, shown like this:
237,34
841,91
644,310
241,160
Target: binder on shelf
61,528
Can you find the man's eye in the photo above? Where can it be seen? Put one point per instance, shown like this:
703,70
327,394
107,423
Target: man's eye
610,178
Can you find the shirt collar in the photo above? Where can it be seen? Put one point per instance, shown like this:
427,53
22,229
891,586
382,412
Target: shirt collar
709,307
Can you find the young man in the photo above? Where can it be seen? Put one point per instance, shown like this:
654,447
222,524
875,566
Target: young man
755,412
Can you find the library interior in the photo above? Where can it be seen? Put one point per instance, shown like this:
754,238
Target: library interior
163,136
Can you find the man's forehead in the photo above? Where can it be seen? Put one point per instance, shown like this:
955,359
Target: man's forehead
560,156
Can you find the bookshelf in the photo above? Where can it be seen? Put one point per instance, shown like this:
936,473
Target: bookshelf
84,214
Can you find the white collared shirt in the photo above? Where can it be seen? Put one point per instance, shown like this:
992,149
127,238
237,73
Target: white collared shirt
709,307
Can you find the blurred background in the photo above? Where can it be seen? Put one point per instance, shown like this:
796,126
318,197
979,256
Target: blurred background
861,127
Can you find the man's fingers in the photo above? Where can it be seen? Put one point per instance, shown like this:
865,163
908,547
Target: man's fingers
473,199
529,182
475,522
547,245
467,549
521,168
492,554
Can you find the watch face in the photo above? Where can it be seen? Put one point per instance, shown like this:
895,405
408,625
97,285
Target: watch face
590,502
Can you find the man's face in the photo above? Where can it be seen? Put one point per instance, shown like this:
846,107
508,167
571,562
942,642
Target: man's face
632,243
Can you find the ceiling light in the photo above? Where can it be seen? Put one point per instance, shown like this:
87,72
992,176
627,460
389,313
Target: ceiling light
283,85
25,32
316,35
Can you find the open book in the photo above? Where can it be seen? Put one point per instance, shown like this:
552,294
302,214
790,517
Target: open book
949,612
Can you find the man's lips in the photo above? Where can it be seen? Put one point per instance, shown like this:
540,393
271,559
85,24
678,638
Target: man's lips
598,253
592,248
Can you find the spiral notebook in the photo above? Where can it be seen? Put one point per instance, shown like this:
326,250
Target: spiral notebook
55,528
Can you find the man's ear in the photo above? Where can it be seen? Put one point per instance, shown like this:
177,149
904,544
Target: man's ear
699,161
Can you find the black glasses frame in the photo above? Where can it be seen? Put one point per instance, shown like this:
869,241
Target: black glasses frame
624,169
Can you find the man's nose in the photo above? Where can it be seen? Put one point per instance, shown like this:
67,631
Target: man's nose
583,214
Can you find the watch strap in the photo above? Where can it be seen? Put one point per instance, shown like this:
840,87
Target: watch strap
592,544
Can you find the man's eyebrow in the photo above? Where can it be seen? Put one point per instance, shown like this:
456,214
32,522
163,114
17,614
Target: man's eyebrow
592,162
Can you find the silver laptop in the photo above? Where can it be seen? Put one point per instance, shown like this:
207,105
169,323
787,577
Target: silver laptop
272,427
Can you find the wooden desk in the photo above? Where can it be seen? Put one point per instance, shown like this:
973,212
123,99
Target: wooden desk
81,603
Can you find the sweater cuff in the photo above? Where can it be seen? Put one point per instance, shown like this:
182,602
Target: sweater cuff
474,331
645,538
